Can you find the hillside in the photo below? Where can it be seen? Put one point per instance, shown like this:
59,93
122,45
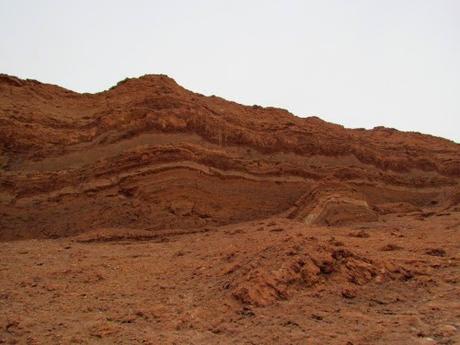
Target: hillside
149,214
150,154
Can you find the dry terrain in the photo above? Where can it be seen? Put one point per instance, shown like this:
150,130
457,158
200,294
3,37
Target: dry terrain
149,214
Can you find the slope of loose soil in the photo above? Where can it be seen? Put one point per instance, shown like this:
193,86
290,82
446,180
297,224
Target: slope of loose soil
274,281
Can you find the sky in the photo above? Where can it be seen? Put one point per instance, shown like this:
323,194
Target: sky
359,63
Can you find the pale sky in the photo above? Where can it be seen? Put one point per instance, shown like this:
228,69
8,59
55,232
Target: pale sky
359,63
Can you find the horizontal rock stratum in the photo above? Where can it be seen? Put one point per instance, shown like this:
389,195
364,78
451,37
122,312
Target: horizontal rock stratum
149,154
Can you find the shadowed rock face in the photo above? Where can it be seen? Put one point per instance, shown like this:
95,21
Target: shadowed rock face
149,154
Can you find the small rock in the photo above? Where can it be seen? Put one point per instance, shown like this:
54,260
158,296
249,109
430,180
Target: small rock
436,252
446,330
348,293
427,341
360,234
247,311
333,241
390,247
317,317
182,207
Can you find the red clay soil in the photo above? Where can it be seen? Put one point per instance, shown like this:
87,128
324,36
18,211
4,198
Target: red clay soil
149,214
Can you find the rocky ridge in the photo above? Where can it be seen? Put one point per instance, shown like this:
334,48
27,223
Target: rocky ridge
149,154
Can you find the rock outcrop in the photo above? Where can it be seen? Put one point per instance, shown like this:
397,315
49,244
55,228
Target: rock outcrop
151,155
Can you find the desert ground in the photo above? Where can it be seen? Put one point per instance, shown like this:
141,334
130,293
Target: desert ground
149,214
271,281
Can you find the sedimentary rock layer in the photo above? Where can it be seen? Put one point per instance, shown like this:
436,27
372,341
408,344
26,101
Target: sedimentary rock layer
149,154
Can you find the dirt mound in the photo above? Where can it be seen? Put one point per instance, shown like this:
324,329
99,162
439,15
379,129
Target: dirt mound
279,271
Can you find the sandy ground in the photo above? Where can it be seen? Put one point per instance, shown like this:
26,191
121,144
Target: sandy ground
392,282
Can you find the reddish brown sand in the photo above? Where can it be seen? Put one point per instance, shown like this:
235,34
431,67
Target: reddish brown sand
148,214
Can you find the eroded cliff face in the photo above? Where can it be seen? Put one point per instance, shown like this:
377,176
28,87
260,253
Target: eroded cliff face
149,154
